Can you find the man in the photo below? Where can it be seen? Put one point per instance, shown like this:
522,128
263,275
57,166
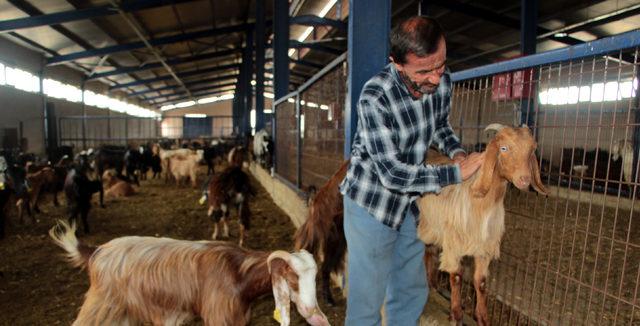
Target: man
401,112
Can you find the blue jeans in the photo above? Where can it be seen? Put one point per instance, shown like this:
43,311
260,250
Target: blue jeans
385,266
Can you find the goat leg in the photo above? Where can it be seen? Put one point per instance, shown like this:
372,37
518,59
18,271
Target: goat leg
430,264
479,282
455,280
241,241
84,214
326,284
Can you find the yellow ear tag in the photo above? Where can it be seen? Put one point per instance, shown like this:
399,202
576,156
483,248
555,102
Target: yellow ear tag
276,315
202,200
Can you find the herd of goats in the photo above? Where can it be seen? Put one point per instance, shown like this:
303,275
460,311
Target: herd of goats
167,281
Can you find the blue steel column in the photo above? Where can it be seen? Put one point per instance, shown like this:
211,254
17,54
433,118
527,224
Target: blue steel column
528,30
260,40
237,103
423,8
364,60
280,48
247,64
45,117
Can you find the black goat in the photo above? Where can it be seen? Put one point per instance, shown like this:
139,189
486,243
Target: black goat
79,189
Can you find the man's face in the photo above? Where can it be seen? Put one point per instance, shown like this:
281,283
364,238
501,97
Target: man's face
422,74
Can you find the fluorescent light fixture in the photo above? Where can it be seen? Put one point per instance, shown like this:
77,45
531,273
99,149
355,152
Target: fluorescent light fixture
327,7
226,97
312,105
185,104
267,111
324,107
167,107
302,102
195,115
561,34
207,100
253,83
308,31
305,34
268,95
291,100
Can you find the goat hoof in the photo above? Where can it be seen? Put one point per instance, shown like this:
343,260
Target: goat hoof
455,316
481,318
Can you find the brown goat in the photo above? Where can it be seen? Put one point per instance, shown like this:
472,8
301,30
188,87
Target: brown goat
167,282
322,233
467,219
115,186
229,188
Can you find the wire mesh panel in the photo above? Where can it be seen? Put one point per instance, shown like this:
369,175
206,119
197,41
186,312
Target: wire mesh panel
572,257
217,127
94,131
287,140
322,107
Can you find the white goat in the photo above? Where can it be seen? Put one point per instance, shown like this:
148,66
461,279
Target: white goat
467,219
183,166
624,148
260,146
136,280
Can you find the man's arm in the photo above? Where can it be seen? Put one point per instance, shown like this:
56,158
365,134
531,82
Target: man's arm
447,141
378,138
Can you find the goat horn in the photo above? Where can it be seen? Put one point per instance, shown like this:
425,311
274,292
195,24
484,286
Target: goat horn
494,126
278,254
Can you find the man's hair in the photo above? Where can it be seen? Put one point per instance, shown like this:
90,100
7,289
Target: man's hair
419,35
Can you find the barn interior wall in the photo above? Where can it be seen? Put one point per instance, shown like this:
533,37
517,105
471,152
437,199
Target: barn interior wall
27,108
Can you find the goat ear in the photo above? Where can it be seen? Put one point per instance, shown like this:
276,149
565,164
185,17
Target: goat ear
482,184
281,295
535,175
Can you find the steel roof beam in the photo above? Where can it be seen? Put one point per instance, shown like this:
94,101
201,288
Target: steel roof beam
81,14
203,81
195,91
185,74
295,44
139,45
176,61
312,20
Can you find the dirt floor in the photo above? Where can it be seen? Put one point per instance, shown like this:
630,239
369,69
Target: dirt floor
37,287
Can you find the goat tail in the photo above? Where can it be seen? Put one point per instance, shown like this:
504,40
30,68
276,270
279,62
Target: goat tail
64,236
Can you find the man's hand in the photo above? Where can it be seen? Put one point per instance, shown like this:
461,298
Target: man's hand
459,157
470,165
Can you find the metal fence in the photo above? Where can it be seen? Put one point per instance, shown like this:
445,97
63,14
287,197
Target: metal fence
310,128
574,256
93,131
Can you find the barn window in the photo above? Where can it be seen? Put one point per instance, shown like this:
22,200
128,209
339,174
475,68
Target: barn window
22,80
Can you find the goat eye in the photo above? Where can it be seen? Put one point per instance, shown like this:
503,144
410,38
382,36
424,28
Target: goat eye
504,148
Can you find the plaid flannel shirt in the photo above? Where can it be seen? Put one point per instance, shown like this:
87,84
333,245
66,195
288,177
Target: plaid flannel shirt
394,131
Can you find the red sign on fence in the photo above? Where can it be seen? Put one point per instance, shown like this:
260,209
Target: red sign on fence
512,85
